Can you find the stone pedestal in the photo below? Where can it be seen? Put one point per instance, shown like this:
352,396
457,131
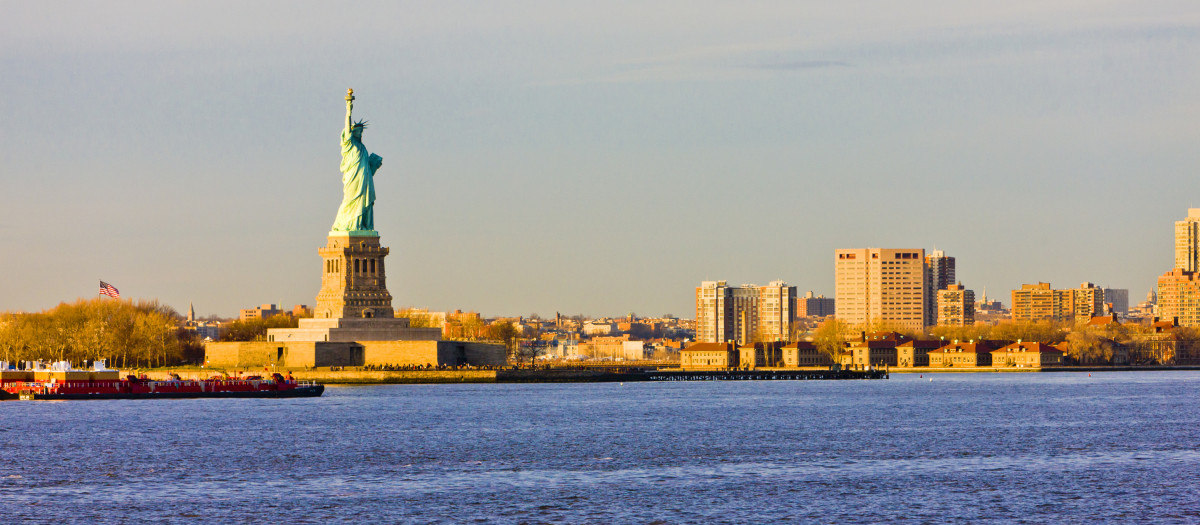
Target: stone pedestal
353,329
354,281
354,304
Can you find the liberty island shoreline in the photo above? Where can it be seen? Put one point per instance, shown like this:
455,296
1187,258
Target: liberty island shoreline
581,375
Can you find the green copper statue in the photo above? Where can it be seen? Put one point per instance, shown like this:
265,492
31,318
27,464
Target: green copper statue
356,213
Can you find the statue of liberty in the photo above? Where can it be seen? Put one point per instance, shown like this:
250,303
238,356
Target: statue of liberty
356,213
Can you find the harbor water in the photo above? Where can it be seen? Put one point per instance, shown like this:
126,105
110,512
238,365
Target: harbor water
1012,447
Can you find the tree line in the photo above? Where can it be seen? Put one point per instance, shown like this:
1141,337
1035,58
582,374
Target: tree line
128,334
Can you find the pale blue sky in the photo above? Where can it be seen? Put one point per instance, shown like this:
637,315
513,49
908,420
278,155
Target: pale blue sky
595,158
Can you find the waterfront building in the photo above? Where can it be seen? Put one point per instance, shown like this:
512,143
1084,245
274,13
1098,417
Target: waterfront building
915,352
1026,355
955,306
1187,242
710,356
962,354
877,349
880,286
874,353
760,354
804,353
810,306
1038,302
939,275
1179,297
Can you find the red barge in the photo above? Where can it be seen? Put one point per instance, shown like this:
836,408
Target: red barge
60,382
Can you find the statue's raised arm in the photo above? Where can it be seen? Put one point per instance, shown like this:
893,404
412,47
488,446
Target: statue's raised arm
349,108
356,214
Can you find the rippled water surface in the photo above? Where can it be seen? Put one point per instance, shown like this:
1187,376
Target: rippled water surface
1035,448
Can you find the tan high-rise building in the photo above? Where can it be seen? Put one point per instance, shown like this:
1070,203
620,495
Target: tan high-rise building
776,311
725,313
1179,297
1033,302
880,285
1187,242
1038,302
955,306
1087,302
1179,289
746,313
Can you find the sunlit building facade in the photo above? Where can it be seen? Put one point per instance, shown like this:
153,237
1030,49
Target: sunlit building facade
880,286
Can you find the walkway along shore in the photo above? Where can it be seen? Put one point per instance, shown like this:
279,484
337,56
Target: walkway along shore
551,375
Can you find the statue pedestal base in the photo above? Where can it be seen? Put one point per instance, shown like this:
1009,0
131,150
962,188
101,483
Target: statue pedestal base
353,330
354,303
354,280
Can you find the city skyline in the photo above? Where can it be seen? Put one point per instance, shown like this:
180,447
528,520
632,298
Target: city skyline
542,157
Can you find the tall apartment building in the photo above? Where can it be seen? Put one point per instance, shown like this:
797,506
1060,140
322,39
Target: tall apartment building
725,313
810,306
1179,297
880,285
1179,289
1187,242
776,311
1087,301
744,313
1033,302
939,275
1038,302
955,306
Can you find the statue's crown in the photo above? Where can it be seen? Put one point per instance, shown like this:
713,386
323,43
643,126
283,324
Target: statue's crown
361,124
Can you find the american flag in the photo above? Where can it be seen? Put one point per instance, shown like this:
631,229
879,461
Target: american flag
109,290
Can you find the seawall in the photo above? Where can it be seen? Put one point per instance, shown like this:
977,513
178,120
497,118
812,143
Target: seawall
342,377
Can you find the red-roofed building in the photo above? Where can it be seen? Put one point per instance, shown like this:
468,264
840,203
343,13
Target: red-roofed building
758,355
962,354
1026,355
804,353
711,356
915,352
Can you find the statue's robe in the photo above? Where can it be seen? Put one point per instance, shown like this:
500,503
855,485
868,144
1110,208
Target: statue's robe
358,185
